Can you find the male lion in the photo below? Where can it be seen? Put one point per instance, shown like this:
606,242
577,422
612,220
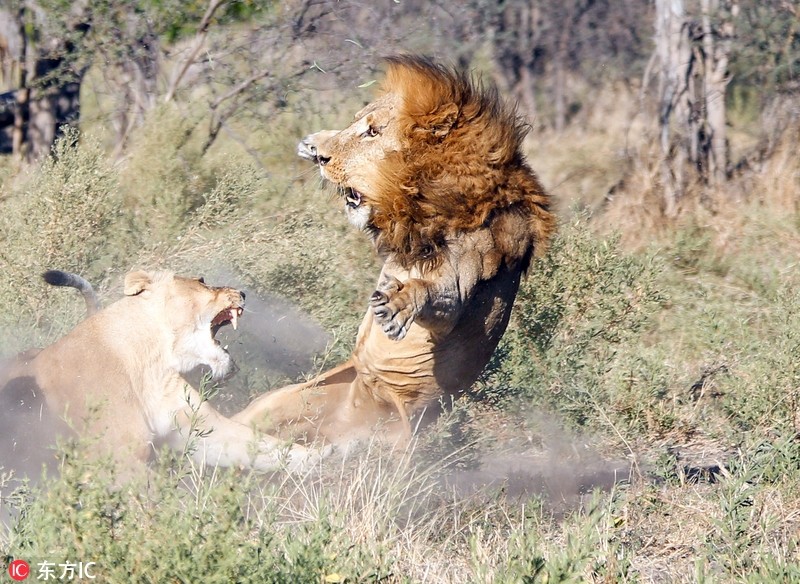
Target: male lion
432,171
117,374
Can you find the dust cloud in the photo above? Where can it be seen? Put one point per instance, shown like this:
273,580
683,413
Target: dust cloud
560,482
275,344
558,467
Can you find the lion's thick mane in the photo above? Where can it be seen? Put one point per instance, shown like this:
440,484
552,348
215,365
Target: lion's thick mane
460,167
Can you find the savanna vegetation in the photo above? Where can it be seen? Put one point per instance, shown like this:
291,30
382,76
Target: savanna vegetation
640,421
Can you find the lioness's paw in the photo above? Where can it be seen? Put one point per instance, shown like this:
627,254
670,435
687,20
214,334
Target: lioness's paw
392,309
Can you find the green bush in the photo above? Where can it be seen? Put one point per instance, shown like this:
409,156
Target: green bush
575,342
163,178
747,540
65,215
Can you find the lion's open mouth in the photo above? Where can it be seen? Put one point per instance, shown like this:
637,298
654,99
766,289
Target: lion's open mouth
228,316
352,198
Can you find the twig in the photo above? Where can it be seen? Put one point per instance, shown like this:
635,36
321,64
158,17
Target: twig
240,88
202,33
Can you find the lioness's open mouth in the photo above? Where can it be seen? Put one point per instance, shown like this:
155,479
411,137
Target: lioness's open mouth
228,316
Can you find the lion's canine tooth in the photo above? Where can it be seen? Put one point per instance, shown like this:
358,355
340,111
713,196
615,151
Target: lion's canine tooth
234,318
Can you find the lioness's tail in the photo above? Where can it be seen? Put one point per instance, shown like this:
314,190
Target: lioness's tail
59,278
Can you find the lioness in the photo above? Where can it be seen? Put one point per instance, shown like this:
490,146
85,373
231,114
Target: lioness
117,374
432,171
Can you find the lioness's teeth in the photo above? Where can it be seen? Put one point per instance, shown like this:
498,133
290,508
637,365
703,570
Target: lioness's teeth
234,319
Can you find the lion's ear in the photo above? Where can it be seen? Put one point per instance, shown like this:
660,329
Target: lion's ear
137,282
442,120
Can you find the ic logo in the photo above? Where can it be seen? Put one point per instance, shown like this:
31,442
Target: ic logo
19,569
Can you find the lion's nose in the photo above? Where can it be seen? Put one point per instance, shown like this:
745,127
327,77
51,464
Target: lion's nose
242,294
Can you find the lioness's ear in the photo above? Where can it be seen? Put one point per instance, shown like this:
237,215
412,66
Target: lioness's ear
136,282
441,121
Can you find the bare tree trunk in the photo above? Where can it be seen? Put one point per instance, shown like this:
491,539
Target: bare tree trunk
47,91
716,50
516,42
673,46
21,111
527,81
526,92
693,56
572,14
41,126
559,92
53,102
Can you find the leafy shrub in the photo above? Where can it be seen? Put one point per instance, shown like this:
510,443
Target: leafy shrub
64,216
292,256
576,317
746,540
163,179
583,547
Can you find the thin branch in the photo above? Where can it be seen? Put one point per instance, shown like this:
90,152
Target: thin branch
199,41
233,92
219,118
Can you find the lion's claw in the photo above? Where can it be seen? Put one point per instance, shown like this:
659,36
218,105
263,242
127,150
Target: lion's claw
392,330
377,298
390,309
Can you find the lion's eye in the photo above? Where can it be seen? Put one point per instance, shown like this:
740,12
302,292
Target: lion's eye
371,132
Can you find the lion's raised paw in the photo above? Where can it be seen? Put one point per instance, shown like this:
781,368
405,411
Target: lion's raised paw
392,308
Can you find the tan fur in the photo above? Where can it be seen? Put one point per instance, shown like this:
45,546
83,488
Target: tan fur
432,171
117,376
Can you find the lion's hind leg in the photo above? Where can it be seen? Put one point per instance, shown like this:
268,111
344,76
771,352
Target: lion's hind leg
337,407
213,439
302,406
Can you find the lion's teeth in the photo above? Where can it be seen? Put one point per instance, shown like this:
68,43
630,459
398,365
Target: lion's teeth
234,319
353,198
